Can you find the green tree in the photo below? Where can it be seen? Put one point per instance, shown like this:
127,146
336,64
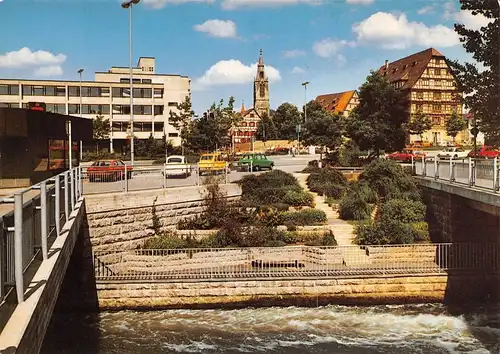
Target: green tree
181,120
322,128
378,122
481,83
100,128
455,124
419,124
266,129
285,118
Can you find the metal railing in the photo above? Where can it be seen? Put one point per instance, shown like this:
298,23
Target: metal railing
479,173
28,230
151,177
295,261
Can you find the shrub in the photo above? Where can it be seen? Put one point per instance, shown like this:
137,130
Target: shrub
325,176
382,233
335,191
421,230
363,191
298,198
312,166
165,241
405,211
350,155
304,217
268,188
354,207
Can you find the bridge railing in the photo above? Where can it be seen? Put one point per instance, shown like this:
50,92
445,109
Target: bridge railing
30,221
479,173
295,261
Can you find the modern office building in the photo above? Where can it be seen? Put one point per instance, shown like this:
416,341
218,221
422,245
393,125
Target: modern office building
154,96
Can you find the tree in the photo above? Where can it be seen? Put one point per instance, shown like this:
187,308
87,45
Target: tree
285,118
455,124
378,122
100,129
266,129
481,87
419,124
322,128
181,120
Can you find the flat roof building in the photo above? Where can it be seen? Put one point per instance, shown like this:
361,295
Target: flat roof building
155,95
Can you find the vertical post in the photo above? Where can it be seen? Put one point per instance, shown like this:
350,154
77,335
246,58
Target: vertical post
72,186
495,175
57,211
66,195
413,166
81,110
470,173
126,179
131,90
424,166
18,246
43,218
436,168
165,175
225,171
70,145
81,150
81,180
451,169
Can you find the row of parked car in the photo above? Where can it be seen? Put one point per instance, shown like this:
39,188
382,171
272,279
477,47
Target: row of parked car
177,166
455,152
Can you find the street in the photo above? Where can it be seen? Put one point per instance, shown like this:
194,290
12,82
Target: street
151,177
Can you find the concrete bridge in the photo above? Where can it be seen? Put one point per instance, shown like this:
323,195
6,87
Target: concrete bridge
58,245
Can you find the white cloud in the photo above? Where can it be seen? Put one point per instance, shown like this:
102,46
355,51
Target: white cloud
235,4
217,28
48,71
232,72
298,70
361,2
465,17
293,53
25,57
396,32
425,9
328,47
159,4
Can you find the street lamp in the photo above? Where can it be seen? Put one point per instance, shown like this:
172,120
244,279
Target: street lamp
305,98
80,71
128,5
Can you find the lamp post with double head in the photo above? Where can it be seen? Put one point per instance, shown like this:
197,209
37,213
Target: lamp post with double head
80,71
128,5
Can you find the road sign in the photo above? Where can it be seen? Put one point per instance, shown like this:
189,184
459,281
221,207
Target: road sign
298,128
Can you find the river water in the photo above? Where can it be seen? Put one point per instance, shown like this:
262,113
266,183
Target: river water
426,329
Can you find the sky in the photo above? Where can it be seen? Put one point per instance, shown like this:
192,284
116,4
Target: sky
333,44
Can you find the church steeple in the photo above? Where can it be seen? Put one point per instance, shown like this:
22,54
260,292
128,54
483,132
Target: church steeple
242,107
261,89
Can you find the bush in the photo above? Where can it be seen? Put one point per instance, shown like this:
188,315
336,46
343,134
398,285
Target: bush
350,155
304,217
298,198
325,176
104,155
335,191
383,233
363,191
268,188
354,207
165,241
405,211
312,166
421,230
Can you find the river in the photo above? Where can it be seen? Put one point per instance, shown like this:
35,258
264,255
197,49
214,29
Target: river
426,329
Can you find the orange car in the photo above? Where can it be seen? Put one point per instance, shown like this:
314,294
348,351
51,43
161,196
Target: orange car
108,171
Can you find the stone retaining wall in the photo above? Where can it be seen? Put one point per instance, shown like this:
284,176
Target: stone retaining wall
359,291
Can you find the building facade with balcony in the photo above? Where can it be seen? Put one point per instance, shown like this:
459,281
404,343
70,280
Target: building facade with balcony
154,96
431,88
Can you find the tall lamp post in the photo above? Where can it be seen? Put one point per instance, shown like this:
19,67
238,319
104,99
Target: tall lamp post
128,5
305,98
80,71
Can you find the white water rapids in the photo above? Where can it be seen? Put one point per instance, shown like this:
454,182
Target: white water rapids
331,329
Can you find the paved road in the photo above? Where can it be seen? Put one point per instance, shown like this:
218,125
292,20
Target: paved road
150,177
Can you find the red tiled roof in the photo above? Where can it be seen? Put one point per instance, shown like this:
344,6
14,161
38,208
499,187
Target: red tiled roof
410,68
335,102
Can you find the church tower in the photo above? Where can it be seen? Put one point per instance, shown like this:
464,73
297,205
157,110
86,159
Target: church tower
261,89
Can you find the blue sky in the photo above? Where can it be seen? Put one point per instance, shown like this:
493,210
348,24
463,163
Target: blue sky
331,43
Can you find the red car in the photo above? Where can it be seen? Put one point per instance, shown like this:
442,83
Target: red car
484,152
108,171
406,155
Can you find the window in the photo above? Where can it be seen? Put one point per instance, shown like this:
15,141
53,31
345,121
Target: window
158,92
146,81
95,109
436,108
436,120
142,110
136,81
60,91
261,74
95,91
73,91
438,61
147,93
124,80
425,82
437,71
4,90
252,115
38,91
56,108
117,92
172,104
420,107
262,90
85,91
159,127
9,89
104,91
9,105
27,90
158,110
173,135
437,95
73,108
50,90
119,126
420,95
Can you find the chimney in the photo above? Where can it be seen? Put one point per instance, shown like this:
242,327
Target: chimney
386,65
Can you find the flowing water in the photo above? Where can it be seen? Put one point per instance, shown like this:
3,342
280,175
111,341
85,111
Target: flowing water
423,329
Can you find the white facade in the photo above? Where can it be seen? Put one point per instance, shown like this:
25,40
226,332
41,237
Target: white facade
155,95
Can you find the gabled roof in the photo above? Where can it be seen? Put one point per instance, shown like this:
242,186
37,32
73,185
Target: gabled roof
410,68
335,102
246,112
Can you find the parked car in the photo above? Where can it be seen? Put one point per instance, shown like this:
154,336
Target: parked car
406,155
212,163
452,152
484,152
177,166
108,171
257,161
